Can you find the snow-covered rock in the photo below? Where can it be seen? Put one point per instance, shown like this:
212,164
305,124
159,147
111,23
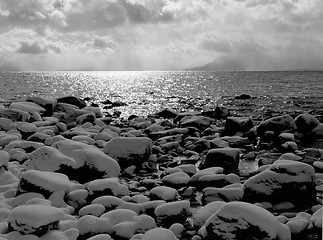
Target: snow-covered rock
43,182
202,214
237,124
177,179
159,234
27,106
316,218
129,150
14,114
277,125
240,220
211,194
34,219
163,193
107,186
172,212
285,180
79,161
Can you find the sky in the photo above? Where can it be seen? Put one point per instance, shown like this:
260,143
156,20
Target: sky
161,34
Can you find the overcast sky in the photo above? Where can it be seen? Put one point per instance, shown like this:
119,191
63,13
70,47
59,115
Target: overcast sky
160,34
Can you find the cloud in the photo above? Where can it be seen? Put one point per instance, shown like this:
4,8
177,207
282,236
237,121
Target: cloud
31,48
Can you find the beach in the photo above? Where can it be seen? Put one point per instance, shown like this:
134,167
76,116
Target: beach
228,171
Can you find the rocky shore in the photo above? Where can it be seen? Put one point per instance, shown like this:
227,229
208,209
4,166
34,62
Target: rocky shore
69,172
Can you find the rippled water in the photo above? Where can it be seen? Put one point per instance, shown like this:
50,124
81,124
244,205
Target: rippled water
147,92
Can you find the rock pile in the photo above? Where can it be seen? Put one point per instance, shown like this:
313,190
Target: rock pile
68,172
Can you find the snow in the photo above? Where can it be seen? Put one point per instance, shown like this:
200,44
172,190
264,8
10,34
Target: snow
201,215
173,208
94,209
50,181
33,216
112,184
164,193
159,234
240,212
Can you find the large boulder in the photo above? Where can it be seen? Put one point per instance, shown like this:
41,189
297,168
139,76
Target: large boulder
306,123
277,125
285,180
199,122
129,150
237,124
72,100
14,114
27,107
227,158
79,161
240,220
47,103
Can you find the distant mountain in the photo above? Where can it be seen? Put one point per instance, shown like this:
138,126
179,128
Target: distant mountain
223,63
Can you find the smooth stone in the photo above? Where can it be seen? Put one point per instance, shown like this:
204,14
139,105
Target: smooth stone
129,150
306,123
237,124
163,193
236,219
72,100
285,180
47,103
277,125
316,218
227,158
159,234
202,214
15,115
211,194
27,107
297,226
75,159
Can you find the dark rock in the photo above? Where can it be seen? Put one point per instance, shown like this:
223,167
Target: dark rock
227,158
72,100
285,180
306,123
167,113
218,112
243,97
277,125
237,124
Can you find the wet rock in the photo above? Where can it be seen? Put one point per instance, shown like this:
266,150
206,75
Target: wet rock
14,114
306,123
243,97
129,150
284,180
237,124
167,113
199,122
277,125
217,112
72,100
227,158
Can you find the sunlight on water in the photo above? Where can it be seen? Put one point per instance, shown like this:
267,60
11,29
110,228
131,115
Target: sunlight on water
147,92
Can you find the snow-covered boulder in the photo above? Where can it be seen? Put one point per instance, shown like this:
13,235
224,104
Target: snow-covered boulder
285,180
47,103
107,186
240,220
129,150
177,179
79,161
27,106
43,182
227,158
172,212
211,194
163,193
34,219
202,214
14,114
26,129
277,125
159,234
